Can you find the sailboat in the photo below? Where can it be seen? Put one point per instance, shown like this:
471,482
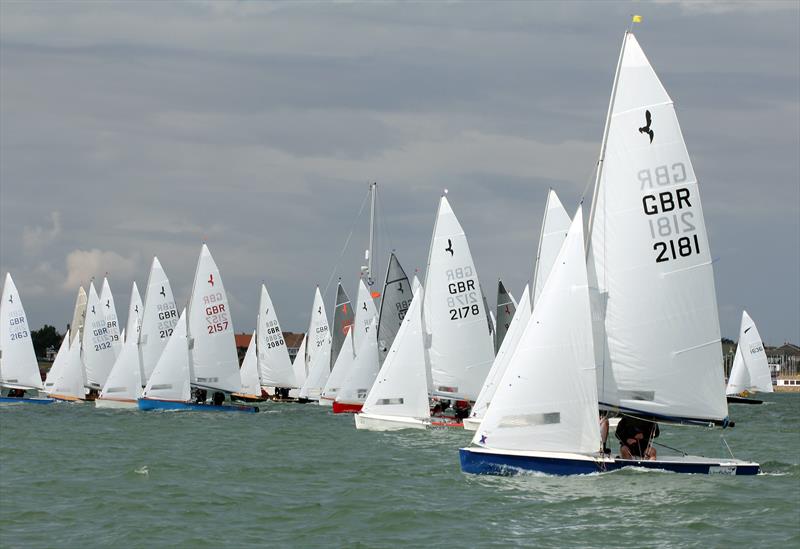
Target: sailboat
361,376
123,387
506,307
135,310
645,311
344,362
750,372
112,321
396,299
201,351
317,352
159,318
97,352
399,397
299,367
251,383
458,346
19,369
275,368
78,315
343,316
555,225
65,379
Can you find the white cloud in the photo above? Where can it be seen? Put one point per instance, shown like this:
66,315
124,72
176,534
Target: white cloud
82,265
35,239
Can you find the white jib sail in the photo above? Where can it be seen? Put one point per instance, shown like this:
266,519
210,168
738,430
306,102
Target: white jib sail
159,318
78,315
58,365
365,368
318,351
401,388
69,381
96,349
547,399
299,363
112,321
19,368
651,261
135,310
365,314
750,371
415,285
251,385
341,369
125,380
170,378
460,350
274,364
503,358
555,225
212,344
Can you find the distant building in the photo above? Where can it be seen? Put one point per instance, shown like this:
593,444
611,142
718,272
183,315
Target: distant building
292,340
785,360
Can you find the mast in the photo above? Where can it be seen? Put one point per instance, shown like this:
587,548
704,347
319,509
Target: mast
539,249
603,144
373,189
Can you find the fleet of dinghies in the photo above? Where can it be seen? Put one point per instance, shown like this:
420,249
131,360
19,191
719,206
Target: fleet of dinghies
619,319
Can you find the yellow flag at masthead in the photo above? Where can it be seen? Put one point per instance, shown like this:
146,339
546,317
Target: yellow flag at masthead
636,19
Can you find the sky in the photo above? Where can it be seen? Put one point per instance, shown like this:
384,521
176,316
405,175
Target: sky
134,129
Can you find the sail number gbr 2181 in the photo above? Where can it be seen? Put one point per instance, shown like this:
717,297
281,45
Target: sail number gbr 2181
672,224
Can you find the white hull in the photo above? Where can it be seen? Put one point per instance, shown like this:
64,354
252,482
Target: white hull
116,404
324,401
471,424
373,422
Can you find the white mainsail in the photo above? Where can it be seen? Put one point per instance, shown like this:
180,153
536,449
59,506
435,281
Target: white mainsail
365,314
135,310
159,318
459,349
274,365
57,368
212,343
750,371
341,369
112,321
251,384
170,377
503,358
547,400
318,350
649,258
125,380
365,368
97,352
69,383
78,315
555,225
401,388
19,368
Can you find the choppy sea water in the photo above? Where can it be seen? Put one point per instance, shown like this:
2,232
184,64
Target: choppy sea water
296,475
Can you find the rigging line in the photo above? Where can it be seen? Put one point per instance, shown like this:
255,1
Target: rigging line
669,447
346,244
382,221
589,179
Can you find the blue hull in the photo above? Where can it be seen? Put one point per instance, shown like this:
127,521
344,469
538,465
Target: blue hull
480,463
148,404
17,400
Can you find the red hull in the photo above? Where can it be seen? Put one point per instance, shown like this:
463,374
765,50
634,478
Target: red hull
342,408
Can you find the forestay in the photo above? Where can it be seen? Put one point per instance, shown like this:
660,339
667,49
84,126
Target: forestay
650,256
170,378
159,318
459,346
212,344
401,388
19,368
274,364
547,400
394,304
97,352
112,320
750,371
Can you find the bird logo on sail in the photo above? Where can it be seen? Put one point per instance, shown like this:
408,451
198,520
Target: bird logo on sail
163,292
211,279
400,288
364,306
136,308
11,298
646,128
449,247
108,303
93,310
319,311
